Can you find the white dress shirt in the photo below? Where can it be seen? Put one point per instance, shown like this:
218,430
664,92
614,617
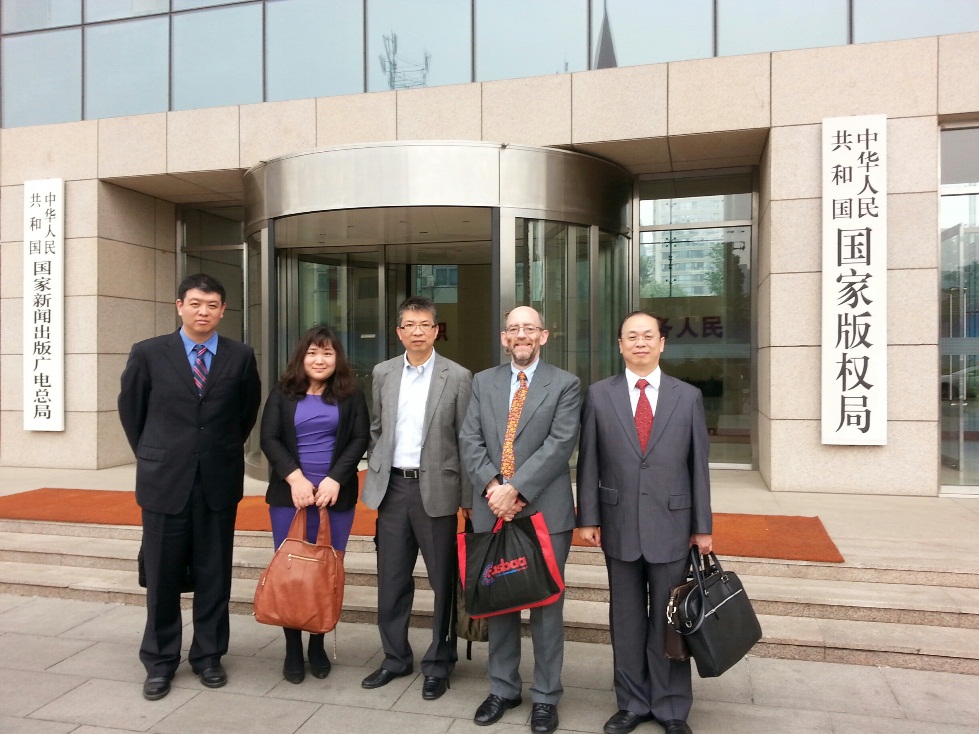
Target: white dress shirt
652,389
412,399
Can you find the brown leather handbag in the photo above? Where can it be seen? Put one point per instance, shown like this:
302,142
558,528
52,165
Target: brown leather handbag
302,588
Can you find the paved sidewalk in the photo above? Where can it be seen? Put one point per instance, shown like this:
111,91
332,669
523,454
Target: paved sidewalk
71,666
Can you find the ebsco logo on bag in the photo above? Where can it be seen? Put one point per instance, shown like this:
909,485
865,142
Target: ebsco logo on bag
503,568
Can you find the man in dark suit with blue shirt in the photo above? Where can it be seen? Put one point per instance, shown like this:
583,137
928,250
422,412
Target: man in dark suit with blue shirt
187,404
644,496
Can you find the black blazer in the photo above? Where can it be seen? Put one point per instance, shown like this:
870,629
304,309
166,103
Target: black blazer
175,433
280,445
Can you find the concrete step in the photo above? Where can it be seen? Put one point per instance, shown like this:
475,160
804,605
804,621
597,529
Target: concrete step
779,595
865,567
917,646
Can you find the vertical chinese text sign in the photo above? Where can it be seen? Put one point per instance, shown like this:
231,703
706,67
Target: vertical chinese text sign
44,301
854,283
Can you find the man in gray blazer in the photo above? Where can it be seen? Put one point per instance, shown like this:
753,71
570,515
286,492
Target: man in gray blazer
539,481
416,483
644,496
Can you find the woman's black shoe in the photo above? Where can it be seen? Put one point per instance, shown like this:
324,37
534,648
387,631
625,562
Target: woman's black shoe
319,661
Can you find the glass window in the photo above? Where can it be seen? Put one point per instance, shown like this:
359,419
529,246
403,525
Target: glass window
127,67
960,156
695,200
96,10
889,20
517,38
631,32
423,43
217,57
699,281
42,78
19,15
613,299
191,4
314,48
754,26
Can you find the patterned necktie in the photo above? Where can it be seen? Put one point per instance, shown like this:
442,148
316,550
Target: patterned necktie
200,369
644,415
506,463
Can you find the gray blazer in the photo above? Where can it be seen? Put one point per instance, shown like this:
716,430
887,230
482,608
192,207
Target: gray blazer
542,447
444,486
647,503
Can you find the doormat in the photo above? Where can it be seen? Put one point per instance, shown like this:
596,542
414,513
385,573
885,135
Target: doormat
782,537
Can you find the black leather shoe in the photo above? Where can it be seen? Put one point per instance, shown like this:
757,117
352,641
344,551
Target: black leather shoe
434,687
492,709
156,687
622,722
381,677
543,718
677,726
213,677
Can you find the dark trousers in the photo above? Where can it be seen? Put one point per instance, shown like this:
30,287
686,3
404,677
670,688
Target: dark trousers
201,539
404,528
645,680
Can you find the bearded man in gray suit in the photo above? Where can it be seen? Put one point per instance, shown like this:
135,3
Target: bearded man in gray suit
416,483
535,478
644,496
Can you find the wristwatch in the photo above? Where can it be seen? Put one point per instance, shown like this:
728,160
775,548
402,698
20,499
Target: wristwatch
501,479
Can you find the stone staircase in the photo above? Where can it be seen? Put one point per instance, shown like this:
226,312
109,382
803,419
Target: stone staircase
853,613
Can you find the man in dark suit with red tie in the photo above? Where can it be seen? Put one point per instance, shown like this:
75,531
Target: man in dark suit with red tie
187,404
644,496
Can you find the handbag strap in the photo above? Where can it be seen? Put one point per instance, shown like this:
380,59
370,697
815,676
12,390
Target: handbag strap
297,528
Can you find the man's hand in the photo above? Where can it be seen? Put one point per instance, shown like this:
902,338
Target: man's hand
704,541
467,513
591,534
504,501
327,492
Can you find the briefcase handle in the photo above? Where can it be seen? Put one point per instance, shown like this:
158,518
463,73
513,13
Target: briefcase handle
702,566
297,529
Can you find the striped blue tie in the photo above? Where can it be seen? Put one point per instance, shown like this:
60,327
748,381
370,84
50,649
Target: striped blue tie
200,369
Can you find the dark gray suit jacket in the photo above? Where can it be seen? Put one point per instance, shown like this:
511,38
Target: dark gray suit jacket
443,484
647,503
542,447
174,432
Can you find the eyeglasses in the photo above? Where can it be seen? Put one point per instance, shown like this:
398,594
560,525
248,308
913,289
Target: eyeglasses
528,330
633,338
424,327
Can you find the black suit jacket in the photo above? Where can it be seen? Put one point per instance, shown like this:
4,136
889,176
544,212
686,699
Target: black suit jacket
175,433
281,446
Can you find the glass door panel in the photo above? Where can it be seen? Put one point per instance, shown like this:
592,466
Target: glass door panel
552,275
959,341
341,290
698,280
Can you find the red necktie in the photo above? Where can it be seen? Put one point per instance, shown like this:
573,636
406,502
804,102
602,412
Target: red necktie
200,369
644,415
513,420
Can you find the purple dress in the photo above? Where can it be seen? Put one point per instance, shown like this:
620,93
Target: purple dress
316,431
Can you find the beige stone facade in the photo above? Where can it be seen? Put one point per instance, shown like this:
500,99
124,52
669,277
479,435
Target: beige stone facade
125,178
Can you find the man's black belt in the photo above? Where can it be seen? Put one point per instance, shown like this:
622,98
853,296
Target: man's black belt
406,473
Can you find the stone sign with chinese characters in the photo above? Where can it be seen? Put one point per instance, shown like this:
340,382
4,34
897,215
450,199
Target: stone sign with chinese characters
44,305
854,283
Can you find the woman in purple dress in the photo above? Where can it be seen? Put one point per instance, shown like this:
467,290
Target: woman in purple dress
315,430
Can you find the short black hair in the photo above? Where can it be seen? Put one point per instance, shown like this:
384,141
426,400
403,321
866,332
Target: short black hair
417,303
202,282
660,322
